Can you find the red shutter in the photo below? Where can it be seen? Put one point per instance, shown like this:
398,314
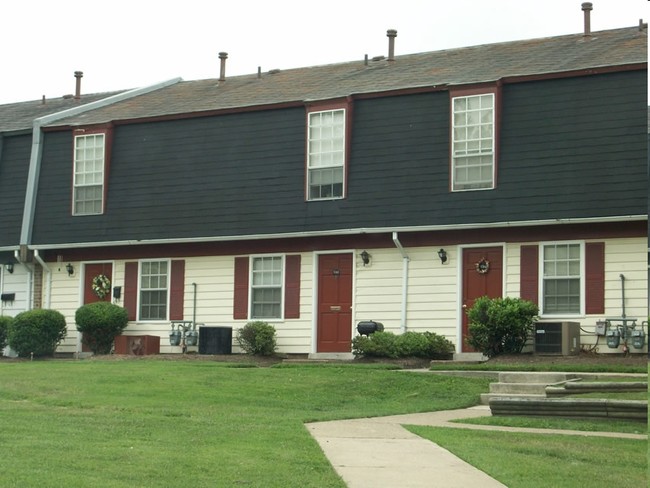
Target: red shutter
529,273
177,291
131,289
292,287
240,305
595,277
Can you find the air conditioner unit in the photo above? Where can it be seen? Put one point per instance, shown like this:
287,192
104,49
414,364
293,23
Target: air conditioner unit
561,338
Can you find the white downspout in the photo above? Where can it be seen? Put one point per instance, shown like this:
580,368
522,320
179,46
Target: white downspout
49,278
405,279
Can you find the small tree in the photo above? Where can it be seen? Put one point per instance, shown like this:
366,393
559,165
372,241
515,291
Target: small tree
36,331
257,338
501,325
100,322
4,330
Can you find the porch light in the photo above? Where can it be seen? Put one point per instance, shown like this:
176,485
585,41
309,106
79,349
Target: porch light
70,269
9,267
442,254
365,257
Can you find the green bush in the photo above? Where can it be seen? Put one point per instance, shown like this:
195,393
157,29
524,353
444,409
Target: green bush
501,325
100,322
257,338
36,331
4,329
427,345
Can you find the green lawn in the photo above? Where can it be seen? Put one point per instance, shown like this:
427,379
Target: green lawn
522,460
154,423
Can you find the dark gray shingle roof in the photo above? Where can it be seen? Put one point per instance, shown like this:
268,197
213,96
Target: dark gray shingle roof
477,64
21,115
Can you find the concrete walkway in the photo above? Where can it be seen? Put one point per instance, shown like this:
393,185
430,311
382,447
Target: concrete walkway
380,453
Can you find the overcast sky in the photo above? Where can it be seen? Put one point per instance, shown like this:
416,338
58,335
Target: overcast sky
131,43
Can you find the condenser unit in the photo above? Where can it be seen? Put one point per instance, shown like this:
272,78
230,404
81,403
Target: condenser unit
561,338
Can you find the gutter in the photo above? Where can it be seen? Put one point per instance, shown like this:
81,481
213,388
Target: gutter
342,232
405,280
37,148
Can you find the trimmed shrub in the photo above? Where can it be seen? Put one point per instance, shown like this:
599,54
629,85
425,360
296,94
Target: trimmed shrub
501,325
257,338
428,345
100,322
36,331
5,320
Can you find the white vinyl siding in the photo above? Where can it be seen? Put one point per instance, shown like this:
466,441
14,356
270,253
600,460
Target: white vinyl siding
266,287
154,290
326,155
473,142
88,193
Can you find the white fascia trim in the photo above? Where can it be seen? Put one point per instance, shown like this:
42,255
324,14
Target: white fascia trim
342,232
37,147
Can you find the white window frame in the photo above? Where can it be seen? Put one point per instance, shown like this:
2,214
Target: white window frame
141,289
252,287
81,172
542,294
313,166
466,154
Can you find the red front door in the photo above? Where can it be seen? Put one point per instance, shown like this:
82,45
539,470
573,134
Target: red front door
482,276
91,271
334,327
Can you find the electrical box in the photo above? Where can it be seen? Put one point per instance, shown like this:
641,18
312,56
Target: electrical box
561,338
601,327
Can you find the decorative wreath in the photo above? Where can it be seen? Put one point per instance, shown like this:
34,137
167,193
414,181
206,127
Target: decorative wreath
101,285
483,266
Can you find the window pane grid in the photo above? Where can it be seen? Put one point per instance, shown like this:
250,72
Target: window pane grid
473,142
266,287
153,290
88,174
562,278
326,154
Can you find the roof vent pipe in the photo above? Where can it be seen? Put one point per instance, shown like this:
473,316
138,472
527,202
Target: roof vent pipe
392,34
587,7
77,92
222,74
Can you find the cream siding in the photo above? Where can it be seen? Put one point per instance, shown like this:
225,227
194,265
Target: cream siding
433,299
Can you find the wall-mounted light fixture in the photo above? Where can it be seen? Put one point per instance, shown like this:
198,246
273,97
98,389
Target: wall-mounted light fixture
365,257
442,254
70,269
9,267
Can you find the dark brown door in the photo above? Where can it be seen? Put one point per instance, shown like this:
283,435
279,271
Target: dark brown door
334,328
482,276
90,271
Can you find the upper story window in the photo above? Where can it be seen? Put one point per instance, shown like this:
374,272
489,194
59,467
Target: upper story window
562,272
473,142
88,187
266,287
326,154
154,290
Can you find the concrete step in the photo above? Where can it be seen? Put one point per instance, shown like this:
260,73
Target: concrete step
588,408
572,388
520,388
329,356
486,397
470,357
535,377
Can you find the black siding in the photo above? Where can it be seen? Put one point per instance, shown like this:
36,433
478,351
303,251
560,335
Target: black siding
14,167
570,148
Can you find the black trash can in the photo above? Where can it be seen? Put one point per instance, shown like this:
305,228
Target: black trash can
215,340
